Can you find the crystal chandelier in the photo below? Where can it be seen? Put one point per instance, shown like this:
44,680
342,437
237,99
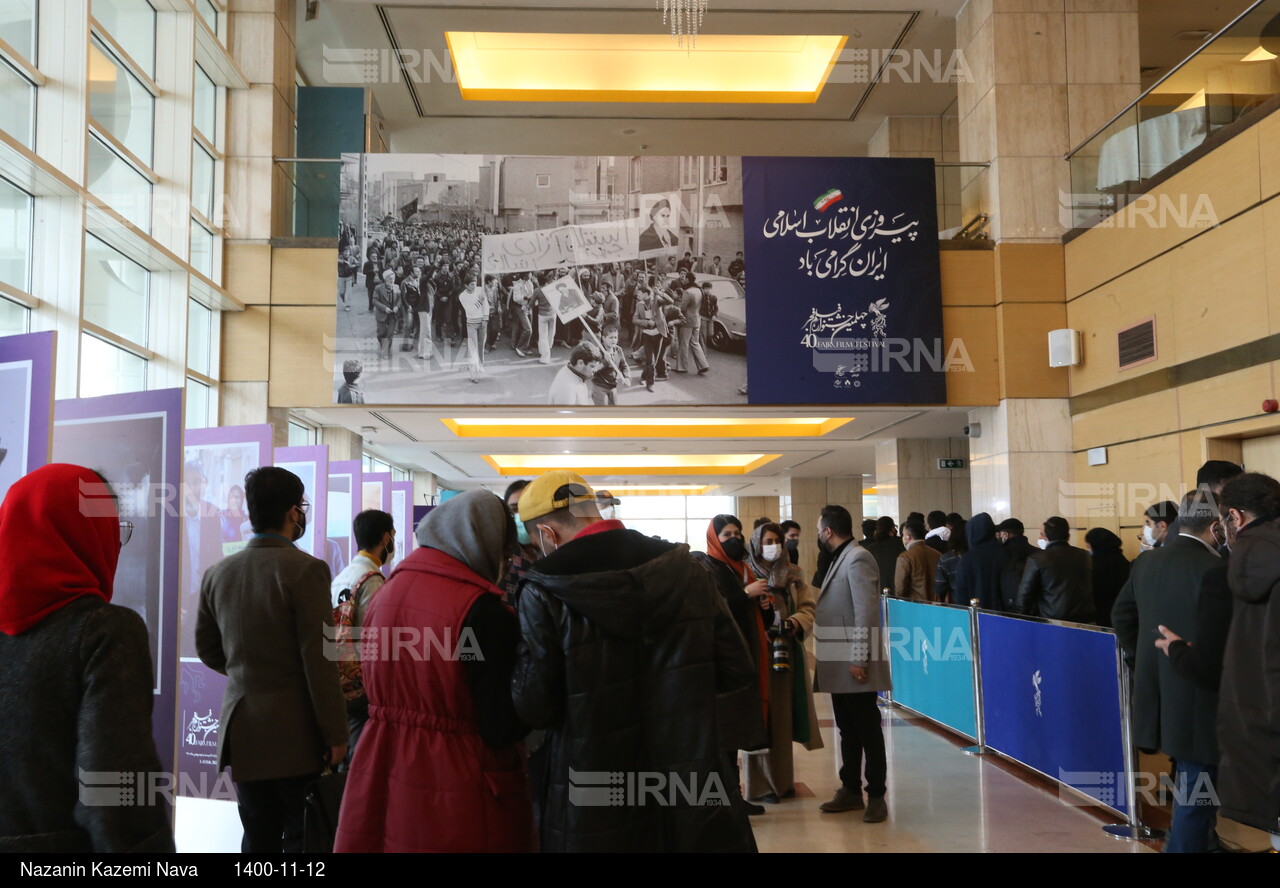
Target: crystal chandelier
685,17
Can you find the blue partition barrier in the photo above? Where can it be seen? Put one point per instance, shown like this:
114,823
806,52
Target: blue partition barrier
931,655
1051,700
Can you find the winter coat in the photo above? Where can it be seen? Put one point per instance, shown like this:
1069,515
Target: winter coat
1249,708
422,778
1018,550
885,551
742,714
847,630
76,693
946,582
1110,571
1170,713
982,566
1056,585
625,646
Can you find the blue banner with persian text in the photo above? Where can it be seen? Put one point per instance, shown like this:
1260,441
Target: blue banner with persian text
843,253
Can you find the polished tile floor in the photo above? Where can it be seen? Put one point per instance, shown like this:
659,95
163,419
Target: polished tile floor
941,800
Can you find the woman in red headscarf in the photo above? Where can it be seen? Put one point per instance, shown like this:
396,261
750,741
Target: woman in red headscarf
76,682
742,716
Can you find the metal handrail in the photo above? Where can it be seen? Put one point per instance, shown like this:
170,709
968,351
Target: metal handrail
1175,69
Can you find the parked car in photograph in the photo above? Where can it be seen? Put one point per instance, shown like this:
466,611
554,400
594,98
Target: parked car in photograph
730,324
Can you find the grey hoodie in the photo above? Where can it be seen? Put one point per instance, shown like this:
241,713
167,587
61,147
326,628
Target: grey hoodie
473,527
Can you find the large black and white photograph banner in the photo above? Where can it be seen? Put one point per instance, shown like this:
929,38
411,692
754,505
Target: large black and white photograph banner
599,281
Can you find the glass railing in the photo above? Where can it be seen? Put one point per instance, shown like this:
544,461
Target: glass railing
315,191
1232,78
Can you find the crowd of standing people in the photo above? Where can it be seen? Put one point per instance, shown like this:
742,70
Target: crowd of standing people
547,641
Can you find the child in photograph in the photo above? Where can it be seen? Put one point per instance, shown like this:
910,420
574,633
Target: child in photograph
350,392
615,372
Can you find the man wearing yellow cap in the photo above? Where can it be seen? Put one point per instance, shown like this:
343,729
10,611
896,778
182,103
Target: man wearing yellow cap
625,645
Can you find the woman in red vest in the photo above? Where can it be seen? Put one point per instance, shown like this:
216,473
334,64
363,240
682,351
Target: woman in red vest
440,766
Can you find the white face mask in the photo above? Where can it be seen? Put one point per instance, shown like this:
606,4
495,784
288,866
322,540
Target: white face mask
607,513
1147,536
542,543
771,551
1044,544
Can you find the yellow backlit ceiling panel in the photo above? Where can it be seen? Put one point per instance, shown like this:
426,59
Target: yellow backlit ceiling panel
592,464
658,427
512,67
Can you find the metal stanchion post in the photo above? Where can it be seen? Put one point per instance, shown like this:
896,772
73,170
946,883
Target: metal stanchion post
887,696
978,720
1133,829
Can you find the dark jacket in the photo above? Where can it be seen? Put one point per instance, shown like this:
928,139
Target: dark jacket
1057,585
626,644
885,550
1249,714
1017,550
262,617
945,582
1202,663
76,696
741,719
1110,571
1170,713
982,566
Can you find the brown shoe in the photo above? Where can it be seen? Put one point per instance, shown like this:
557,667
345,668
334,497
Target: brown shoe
845,800
877,810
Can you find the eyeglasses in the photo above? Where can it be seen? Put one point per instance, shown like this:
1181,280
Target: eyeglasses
126,532
304,507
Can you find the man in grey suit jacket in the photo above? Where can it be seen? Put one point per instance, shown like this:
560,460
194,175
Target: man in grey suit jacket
851,663
261,623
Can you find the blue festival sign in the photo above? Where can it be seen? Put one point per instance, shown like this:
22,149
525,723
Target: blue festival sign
843,257
1051,700
931,654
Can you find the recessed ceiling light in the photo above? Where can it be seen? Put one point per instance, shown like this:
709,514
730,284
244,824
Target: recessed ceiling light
525,67
652,427
597,464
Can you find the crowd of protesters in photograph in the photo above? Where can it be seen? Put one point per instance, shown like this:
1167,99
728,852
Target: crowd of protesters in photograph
424,284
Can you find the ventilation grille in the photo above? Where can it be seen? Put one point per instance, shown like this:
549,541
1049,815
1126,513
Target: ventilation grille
1137,344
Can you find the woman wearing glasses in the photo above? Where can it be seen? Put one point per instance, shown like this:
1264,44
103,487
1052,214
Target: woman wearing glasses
76,687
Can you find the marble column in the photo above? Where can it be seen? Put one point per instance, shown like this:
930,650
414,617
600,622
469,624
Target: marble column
808,496
908,478
934,137
1018,464
1045,74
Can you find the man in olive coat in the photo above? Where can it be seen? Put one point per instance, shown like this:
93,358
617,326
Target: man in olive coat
1170,712
263,612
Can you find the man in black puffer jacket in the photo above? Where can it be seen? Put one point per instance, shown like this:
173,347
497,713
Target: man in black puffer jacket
626,645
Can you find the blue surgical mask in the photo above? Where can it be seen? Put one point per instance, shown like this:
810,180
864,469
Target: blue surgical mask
522,535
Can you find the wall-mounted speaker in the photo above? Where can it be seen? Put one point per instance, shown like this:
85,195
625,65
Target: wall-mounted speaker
1064,348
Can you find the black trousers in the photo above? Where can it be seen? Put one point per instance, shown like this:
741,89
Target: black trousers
271,813
858,719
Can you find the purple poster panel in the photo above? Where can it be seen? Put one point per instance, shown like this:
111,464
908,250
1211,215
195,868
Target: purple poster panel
135,441
344,500
311,464
376,488
402,512
215,524
26,411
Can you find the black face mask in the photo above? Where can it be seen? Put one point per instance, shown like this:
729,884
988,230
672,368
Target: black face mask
792,545
734,548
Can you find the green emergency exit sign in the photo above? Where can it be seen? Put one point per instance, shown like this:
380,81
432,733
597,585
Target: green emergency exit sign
951,463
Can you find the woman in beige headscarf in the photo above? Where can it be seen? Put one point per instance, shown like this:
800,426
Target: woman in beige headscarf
770,775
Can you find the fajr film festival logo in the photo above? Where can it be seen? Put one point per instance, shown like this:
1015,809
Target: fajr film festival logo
631,789
1036,680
